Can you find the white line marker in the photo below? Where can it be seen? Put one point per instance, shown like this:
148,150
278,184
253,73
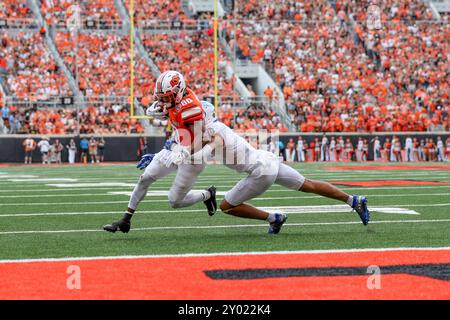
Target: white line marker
335,209
158,193
220,254
14,176
256,199
93,184
368,196
274,188
224,226
287,209
39,180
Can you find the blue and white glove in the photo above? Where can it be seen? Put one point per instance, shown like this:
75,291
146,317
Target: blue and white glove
177,156
169,143
145,161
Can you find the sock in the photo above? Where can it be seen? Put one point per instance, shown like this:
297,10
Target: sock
206,195
350,201
271,218
127,216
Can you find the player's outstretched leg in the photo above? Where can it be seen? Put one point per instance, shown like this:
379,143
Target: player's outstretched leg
292,179
154,171
358,203
249,188
243,210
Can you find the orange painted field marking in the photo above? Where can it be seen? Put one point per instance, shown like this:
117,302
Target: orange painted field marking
180,278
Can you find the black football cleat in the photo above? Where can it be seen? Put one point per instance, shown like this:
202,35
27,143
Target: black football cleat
211,203
123,225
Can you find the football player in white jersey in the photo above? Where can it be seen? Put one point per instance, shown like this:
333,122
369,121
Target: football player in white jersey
264,169
165,162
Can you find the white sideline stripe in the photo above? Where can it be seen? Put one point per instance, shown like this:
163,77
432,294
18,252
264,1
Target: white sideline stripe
394,209
255,199
221,254
225,226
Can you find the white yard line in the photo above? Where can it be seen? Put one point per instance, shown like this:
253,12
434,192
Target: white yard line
256,199
95,213
41,180
274,188
220,254
224,226
325,176
389,209
369,196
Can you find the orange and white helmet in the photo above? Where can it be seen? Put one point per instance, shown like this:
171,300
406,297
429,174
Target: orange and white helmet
170,88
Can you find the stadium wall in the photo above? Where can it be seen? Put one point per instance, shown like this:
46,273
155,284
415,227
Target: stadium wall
116,148
355,136
125,148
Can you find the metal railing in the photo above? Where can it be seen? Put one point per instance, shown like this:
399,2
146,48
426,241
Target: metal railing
18,23
175,25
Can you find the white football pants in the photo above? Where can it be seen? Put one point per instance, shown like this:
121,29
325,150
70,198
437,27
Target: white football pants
179,195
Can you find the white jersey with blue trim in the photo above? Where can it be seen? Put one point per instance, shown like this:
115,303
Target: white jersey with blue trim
236,153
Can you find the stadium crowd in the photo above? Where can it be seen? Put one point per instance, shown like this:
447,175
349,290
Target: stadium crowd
112,119
192,54
251,119
336,71
337,76
102,63
31,72
57,12
14,9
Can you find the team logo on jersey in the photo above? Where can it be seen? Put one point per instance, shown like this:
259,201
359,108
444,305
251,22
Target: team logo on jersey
175,80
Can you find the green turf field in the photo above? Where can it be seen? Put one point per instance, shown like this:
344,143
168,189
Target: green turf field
41,220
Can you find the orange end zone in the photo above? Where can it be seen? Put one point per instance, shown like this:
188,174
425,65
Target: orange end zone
183,278
388,168
382,183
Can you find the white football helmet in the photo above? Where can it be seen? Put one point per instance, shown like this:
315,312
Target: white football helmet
170,88
209,111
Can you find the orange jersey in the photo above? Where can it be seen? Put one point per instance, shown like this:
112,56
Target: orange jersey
184,114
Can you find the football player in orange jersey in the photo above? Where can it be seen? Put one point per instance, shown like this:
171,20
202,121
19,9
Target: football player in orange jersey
173,100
